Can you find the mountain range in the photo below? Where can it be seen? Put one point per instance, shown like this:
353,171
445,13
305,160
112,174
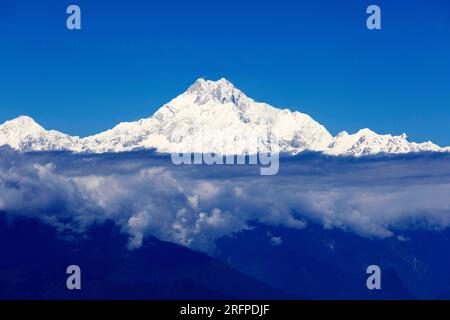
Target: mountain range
307,264
216,117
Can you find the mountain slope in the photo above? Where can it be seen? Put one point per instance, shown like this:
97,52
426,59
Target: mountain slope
24,134
34,267
212,116
331,264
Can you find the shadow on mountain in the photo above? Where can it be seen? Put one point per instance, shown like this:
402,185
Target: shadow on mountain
34,258
331,264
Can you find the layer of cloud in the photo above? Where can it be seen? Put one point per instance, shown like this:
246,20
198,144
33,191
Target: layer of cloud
145,194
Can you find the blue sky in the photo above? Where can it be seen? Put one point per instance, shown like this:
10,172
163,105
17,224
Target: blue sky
314,56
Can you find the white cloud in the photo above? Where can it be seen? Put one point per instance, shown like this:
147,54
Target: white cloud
276,241
195,205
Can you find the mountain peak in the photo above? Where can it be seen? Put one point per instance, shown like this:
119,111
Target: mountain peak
366,132
23,133
26,119
222,91
203,84
22,122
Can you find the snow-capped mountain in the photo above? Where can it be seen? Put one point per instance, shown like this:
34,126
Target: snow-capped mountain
367,142
212,116
23,133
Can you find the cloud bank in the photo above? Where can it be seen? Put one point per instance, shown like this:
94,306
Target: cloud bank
145,194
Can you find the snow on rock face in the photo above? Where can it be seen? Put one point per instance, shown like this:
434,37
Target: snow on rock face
212,116
23,133
367,142
226,121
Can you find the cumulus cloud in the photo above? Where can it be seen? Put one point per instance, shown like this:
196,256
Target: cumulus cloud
145,194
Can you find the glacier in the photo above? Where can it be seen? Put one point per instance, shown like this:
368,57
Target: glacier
213,117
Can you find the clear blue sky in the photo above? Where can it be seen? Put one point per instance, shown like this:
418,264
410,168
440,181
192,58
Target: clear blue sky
314,56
